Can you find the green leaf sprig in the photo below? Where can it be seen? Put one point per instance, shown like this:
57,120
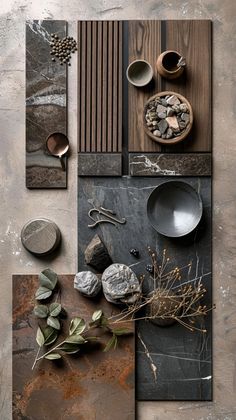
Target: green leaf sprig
47,280
78,329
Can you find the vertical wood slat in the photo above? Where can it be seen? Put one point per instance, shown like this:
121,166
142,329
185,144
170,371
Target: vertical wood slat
94,84
100,86
88,85
120,86
104,86
109,88
82,70
115,84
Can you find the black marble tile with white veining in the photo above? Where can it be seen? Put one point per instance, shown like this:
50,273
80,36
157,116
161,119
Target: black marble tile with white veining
183,359
46,107
170,164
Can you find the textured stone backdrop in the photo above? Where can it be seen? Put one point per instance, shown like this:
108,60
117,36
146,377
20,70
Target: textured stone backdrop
18,204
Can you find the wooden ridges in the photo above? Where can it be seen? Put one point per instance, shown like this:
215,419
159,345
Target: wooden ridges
100,86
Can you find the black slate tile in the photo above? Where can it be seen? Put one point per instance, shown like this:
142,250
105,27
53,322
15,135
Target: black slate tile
183,359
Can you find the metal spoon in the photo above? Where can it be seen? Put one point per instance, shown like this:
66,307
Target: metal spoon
58,145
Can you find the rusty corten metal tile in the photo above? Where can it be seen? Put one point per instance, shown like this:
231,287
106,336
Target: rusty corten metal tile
92,385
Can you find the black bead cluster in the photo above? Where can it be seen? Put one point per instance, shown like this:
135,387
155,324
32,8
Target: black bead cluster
134,252
150,268
61,49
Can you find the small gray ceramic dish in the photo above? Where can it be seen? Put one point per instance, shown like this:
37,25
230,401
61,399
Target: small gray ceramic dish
174,209
139,73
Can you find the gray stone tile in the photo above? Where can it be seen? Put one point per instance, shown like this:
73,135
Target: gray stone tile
99,164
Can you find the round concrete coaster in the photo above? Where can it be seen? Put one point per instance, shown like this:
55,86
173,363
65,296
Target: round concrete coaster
40,236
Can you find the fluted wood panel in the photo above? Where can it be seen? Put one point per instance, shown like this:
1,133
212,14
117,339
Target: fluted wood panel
100,86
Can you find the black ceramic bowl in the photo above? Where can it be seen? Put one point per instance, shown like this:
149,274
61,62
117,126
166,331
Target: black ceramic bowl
174,209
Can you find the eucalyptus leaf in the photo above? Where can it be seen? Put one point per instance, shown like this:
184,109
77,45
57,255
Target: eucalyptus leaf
48,278
41,311
97,315
54,323
75,339
103,321
112,343
77,326
53,356
40,337
42,293
69,348
50,335
122,331
55,309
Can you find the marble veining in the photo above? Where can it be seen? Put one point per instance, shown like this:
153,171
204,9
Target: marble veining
46,104
175,164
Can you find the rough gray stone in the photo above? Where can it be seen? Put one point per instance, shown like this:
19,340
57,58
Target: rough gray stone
120,284
161,115
164,102
161,108
162,125
96,254
185,117
87,283
182,125
169,133
183,108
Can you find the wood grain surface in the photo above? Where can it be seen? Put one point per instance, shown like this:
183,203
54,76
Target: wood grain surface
192,39
90,385
100,86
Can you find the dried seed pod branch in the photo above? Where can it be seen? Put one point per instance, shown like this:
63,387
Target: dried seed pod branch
169,299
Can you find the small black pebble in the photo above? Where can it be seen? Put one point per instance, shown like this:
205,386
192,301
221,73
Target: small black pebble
134,252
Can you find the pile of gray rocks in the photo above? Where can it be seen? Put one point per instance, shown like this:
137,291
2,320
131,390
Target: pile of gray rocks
119,283
167,117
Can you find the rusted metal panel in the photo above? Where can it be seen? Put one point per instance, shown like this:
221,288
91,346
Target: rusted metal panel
88,386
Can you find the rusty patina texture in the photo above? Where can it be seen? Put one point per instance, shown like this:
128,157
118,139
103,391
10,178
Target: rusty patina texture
88,386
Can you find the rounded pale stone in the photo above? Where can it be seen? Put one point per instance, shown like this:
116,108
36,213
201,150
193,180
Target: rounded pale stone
87,283
120,284
40,236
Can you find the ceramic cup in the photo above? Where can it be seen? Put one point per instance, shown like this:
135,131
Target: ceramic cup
139,73
167,64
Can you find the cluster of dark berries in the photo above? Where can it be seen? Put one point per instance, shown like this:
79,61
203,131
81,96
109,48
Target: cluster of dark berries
61,49
150,268
134,252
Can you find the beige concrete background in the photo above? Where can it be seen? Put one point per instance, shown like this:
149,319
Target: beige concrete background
18,204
